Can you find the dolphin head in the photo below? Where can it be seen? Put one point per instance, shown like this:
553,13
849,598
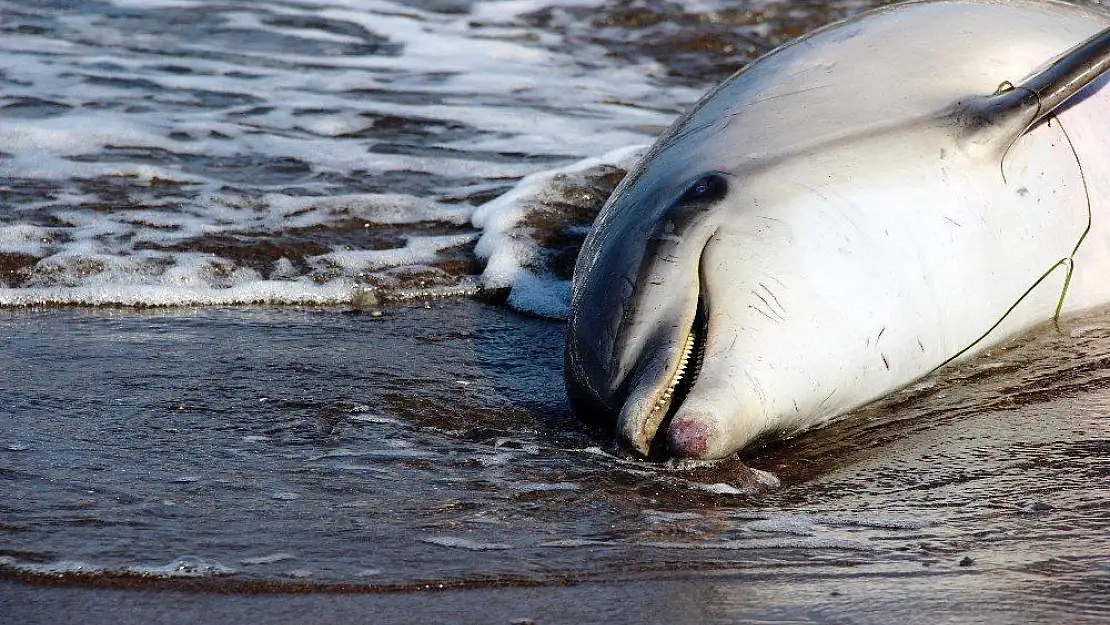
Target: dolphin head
637,312
700,294
798,244
697,301
638,322
722,289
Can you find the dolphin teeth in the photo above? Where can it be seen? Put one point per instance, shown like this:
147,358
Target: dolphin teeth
664,400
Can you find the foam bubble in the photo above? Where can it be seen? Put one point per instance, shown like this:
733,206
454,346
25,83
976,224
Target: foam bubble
374,208
184,566
720,488
285,496
574,543
784,524
881,522
272,558
809,542
416,251
369,572
56,568
464,543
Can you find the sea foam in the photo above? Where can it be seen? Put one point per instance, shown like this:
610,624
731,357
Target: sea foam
193,153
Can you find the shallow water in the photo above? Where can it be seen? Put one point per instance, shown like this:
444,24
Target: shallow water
369,156
296,450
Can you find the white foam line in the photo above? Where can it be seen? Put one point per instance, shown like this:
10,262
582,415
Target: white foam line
376,208
417,250
806,542
465,543
509,10
337,292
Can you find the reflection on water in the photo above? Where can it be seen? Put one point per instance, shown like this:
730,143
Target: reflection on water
243,449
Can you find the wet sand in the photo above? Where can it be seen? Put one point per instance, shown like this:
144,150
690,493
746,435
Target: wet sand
318,465
701,599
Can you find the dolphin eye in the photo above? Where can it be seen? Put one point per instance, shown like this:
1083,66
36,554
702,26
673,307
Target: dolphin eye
708,188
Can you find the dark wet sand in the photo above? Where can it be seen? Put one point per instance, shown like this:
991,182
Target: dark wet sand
695,599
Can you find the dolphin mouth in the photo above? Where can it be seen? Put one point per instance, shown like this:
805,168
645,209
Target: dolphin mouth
641,427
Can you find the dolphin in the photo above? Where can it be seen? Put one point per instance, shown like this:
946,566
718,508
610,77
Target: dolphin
845,215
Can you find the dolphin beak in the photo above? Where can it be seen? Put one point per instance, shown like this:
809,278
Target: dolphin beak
637,327
666,377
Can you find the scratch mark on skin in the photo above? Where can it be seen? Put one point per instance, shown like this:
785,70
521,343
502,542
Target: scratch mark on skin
886,363
781,95
769,292
827,398
682,134
823,67
880,334
758,390
760,311
768,305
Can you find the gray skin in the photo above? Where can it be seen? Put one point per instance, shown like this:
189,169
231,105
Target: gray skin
827,174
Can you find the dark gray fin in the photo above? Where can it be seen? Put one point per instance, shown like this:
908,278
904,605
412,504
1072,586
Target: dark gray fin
999,119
